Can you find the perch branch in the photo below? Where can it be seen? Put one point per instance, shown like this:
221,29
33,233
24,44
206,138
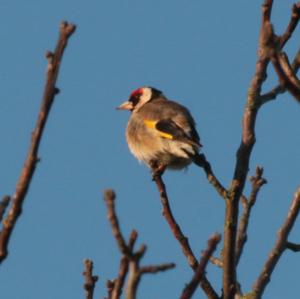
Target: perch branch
180,237
90,280
257,182
54,62
279,247
200,271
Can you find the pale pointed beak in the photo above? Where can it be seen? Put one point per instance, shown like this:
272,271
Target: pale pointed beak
125,106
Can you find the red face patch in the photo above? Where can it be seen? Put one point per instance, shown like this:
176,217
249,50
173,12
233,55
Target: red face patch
137,92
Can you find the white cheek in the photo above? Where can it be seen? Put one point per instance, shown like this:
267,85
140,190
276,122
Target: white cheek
146,96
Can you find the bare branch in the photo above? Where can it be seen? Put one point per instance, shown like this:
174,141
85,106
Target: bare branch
278,44
136,272
200,272
133,279
257,182
176,230
291,26
278,249
288,80
110,285
273,93
3,206
201,161
267,10
130,261
119,282
216,261
286,74
243,158
132,239
157,268
116,289
90,280
123,269
109,197
54,62
292,246
181,238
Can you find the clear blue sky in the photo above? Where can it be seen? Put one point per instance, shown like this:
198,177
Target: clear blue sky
201,53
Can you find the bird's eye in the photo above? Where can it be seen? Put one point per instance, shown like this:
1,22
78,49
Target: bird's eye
134,99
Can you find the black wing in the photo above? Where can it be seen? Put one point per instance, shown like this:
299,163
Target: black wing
169,127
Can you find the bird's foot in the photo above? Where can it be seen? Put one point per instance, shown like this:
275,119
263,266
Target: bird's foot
157,169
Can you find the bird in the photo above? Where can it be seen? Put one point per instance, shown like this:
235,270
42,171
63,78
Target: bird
160,132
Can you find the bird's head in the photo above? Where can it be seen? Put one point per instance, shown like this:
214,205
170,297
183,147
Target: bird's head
139,97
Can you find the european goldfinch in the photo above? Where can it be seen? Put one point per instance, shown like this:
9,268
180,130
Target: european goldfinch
161,133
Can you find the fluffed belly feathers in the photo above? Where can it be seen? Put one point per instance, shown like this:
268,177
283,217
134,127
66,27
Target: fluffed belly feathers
147,146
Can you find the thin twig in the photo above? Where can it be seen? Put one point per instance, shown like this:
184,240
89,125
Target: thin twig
130,261
90,279
123,269
201,161
278,249
279,89
271,95
293,246
286,74
291,26
119,282
216,261
157,268
181,238
110,285
109,197
54,62
200,272
136,272
3,205
126,250
257,182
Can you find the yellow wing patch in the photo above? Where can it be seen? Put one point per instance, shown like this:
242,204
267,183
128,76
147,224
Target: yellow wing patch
165,135
152,125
